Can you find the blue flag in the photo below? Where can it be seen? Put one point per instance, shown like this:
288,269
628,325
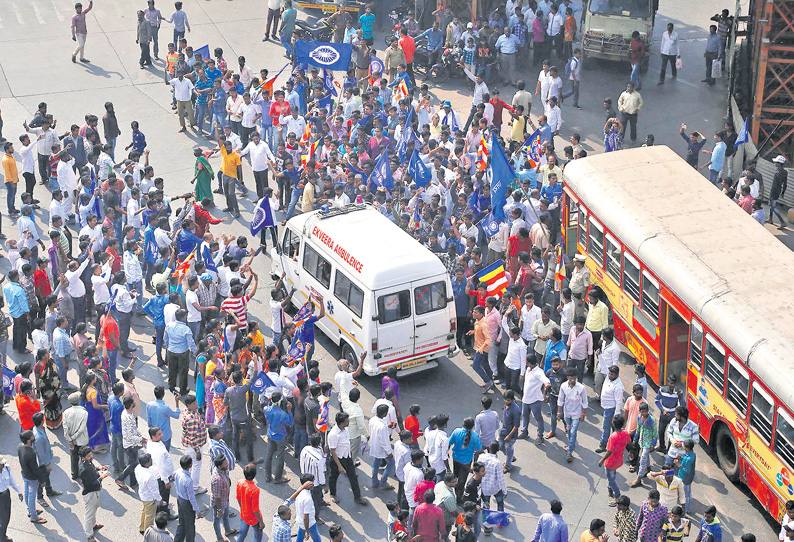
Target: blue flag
209,262
376,65
743,136
263,216
473,201
261,383
358,172
327,103
381,175
495,518
418,171
490,225
8,381
204,51
150,244
502,175
324,54
328,82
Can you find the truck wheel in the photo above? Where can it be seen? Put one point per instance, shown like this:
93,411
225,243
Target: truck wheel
350,356
727,453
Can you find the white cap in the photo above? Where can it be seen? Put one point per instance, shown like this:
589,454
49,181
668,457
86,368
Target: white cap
779,159
580,258
470,25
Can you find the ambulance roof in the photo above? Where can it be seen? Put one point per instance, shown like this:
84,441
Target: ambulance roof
360,237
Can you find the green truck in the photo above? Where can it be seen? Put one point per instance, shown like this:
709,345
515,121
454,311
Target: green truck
608,25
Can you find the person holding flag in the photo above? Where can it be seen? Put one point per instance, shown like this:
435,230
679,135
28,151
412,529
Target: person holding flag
304,319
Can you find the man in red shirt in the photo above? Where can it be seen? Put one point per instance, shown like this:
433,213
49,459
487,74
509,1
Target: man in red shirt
204,219
408,46
498,106
27,405
110,334
637,52
428,524
41,282
613,458
248,497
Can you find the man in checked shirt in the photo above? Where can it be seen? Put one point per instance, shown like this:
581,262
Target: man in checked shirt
194,437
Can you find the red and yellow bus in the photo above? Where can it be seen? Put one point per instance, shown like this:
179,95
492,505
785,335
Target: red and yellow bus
700,290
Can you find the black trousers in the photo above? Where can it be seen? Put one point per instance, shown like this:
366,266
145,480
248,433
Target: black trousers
44,168
5,514
631,120
665,59
461,470
352,476
165,496
664,420
260,178
74,454
20,333
30,183
409,68
44,482
245,134
186,530
244,428
146,57
177,369
132,462
263,236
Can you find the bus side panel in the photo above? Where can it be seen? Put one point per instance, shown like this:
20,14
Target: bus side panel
626,335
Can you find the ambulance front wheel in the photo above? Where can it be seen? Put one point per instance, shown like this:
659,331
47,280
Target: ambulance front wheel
350,356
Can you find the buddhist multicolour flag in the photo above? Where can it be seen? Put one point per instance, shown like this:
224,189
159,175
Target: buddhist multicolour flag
494,277
481,162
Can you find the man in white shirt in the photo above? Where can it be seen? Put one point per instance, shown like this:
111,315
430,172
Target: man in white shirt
262,158
413,476
544,81
341,462
148,490
555,21
76,288
67,182
607,354
571,407
611,399
133,273
250,114
183,91
312,461
57,207
516,359
507,44
574,75
670,52
529,314
344,379
535,385
305,512
194,308
480,88
380,448
402,457
162,467
281,383
27,152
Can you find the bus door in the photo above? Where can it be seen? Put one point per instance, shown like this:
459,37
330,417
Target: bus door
673,344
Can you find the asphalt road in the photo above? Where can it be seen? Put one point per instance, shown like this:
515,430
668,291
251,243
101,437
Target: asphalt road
36,67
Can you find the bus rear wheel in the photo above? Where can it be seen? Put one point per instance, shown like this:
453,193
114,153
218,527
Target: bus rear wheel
727,453
350,356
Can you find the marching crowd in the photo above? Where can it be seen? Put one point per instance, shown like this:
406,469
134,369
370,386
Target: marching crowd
117,250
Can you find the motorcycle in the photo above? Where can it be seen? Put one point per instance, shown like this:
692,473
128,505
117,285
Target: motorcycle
448,65
322,30
422,57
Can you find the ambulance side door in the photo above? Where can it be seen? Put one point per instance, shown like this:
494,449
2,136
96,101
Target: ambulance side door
290,262
395,324
431,324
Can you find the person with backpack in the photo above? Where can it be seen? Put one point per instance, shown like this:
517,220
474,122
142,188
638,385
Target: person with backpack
573,69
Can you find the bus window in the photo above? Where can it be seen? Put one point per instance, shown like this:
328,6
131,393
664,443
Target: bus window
394,306
784,437
430,297
582,233
650,296
613,258
696,345
631,277
738,386
349,294
597,243
317,266
761,414
715,363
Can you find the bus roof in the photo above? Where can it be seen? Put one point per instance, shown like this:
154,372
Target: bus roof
361,234
725,266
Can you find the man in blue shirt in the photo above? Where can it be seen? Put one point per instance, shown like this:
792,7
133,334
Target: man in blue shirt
278,422
461,306
18,308
511,418
551,526
178,345
155,307
307,328
158,414
44,455
186,501
188,241
717,157
435,43
115,408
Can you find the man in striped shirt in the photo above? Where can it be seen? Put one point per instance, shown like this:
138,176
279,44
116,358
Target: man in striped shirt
218,446
238,303
678,432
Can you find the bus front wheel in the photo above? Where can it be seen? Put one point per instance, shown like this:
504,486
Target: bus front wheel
350,356
727,453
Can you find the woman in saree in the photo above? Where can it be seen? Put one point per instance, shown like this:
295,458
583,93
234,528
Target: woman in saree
98,437
212,363
218,390
48,382
203,178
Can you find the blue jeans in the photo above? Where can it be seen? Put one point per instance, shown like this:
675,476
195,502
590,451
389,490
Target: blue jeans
54,184
117,453
63,366
202,110
500,501
481,367
159,334
536,409
635,76
612,482
11,195
286,41
113,361
31,490
573,429
606,429
112,142
388,471
137,287
687,496
296,195
507,447
645,462
313,533
243,529
300,439
267,134
713,177
220,119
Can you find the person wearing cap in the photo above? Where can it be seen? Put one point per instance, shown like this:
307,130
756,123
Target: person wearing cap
449,117
778,189
75,430
580,276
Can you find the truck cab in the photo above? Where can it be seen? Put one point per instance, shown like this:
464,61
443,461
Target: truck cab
608,25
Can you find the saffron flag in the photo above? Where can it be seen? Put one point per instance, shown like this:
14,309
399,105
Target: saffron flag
502,175
494,277
481,161
268,85
323,415
559,271
261,383
184,265
307,134
263,217
532,146
310,153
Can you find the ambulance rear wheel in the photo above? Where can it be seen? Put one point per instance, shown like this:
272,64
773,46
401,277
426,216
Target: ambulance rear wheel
350,356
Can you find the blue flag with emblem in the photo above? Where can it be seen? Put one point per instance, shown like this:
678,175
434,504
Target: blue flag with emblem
261,383
327,103
473,202
263,216
418,170
358,172
376,66
209,261
324,54
490,225
502,175
328,82
381,175
743,136
8,381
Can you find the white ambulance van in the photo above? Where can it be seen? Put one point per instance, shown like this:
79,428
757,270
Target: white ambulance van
384,293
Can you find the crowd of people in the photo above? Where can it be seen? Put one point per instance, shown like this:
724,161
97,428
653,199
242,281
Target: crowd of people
117,250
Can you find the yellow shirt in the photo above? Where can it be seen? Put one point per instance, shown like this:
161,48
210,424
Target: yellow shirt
10,169
482,338
307,202
230,163
258,339
597,317
517,132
